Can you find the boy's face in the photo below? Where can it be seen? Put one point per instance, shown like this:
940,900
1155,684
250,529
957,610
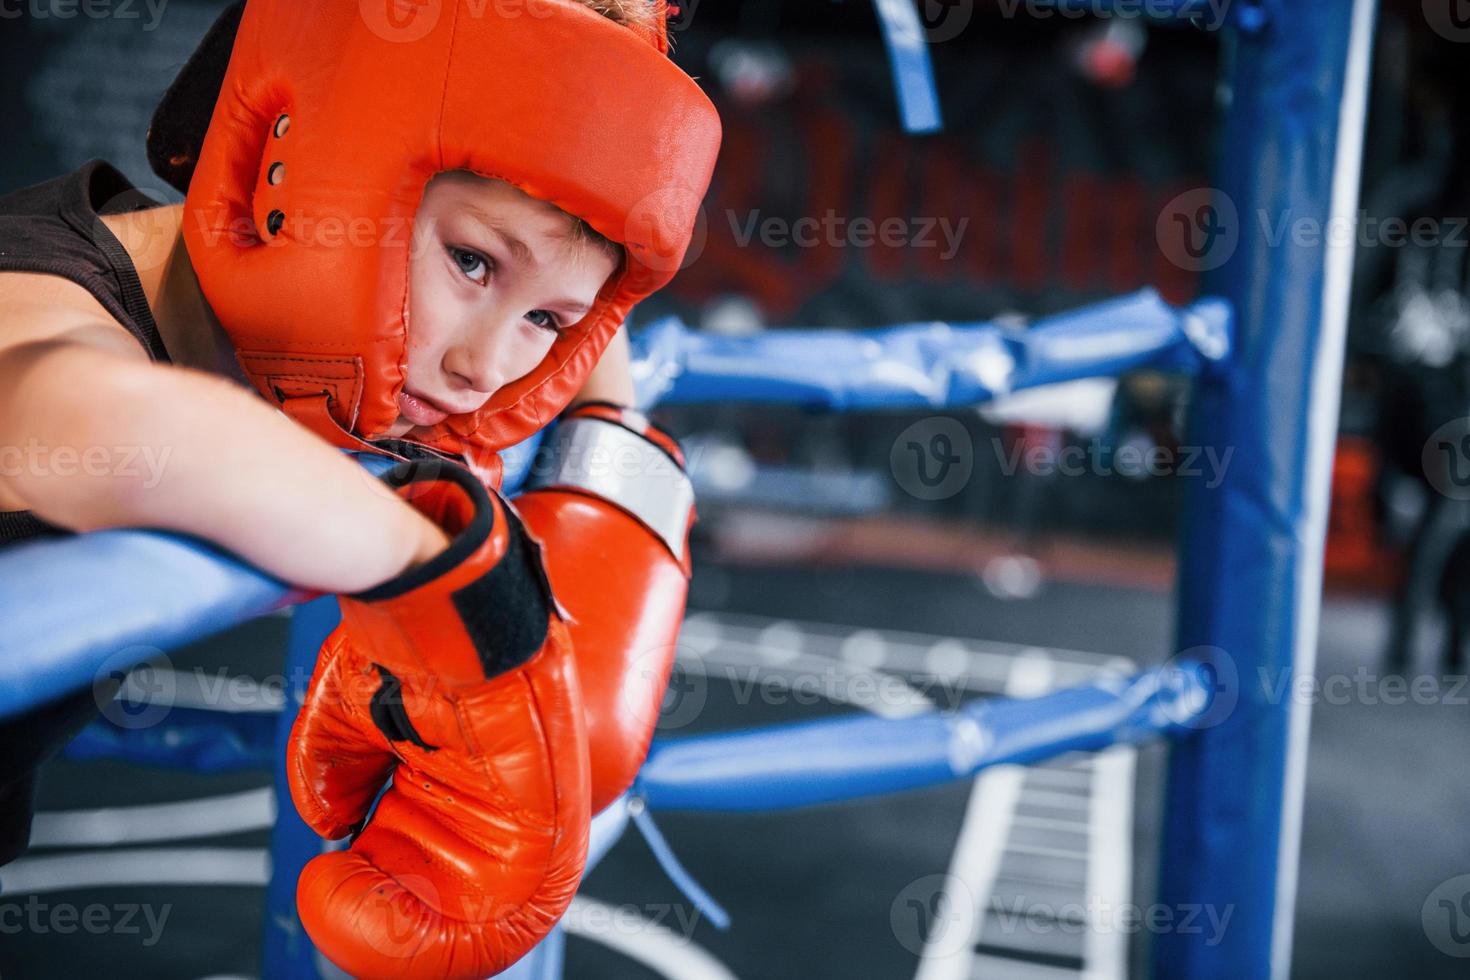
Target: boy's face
494,275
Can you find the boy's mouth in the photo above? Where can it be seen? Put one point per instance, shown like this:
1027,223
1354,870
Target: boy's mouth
419,410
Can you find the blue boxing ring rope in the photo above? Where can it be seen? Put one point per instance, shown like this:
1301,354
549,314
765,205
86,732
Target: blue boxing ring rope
1265,351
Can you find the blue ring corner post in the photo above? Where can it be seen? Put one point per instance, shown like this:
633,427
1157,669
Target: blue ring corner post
1250,575
287,952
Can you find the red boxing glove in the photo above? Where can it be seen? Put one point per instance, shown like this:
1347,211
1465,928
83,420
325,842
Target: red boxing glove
613,508
457,679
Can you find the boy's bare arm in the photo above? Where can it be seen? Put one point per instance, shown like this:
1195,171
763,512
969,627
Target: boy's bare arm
93,435
612,379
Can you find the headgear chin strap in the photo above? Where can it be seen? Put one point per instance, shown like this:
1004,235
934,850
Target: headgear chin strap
334,115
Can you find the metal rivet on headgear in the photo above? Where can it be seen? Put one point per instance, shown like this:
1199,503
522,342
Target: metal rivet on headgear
283,123
276,173
273,221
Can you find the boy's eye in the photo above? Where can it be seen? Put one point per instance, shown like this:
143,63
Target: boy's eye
542,318
468,262
471,263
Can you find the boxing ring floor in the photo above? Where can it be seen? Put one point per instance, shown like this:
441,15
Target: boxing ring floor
836,891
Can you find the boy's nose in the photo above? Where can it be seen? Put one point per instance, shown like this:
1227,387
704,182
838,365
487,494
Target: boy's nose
474,368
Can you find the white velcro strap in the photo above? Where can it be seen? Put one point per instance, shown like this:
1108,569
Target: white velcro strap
606,460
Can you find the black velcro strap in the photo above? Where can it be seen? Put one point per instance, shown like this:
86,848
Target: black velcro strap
389,714
505,610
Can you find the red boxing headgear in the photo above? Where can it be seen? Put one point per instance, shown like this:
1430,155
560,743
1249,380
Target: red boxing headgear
333,117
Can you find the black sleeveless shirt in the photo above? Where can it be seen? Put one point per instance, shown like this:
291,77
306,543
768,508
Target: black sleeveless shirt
54,228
